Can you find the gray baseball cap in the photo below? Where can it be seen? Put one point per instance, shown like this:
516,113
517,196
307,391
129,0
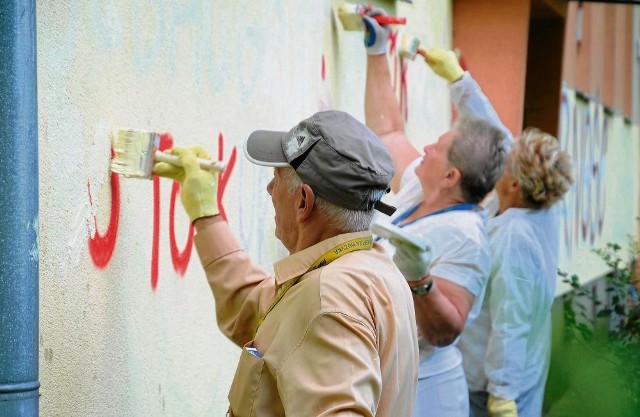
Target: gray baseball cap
340,158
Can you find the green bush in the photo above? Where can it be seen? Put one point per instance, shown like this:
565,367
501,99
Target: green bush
601,355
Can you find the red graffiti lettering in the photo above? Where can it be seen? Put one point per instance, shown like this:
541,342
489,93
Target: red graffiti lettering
393,41
101,247
166,142
223,177
399,82
180,259
404,93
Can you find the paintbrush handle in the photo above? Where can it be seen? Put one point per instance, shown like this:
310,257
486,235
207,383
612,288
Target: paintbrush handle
390,20
204,163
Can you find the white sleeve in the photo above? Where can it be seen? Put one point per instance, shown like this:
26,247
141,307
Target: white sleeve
461,256
469,100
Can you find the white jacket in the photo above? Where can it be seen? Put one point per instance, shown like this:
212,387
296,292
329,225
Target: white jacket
506,351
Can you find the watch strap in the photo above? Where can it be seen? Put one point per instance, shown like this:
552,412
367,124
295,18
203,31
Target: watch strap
423,289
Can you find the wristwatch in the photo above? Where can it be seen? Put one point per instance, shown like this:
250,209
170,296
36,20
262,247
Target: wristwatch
422,289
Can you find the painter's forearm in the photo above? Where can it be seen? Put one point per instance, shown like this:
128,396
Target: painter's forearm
382,112
470,100
383,116
203,222
241,289
438,319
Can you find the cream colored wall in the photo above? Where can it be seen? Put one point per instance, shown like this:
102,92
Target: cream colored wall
602,205
127,328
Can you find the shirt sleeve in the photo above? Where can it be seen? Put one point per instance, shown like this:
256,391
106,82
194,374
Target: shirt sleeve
242,290
335,370
464,259
511,303
469,100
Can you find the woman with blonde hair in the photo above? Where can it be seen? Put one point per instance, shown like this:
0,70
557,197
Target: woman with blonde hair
506,350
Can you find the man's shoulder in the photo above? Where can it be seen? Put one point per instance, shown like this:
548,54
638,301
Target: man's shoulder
360,279
363,267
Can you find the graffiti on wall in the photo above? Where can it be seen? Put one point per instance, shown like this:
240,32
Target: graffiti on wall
399,74
584,134
102,245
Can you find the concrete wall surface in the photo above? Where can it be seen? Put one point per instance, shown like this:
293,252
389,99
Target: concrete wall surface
127,322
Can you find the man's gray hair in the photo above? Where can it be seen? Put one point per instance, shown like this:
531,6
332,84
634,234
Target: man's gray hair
341,218
479,152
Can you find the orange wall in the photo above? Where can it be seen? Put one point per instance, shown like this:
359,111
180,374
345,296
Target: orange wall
492,36
600,63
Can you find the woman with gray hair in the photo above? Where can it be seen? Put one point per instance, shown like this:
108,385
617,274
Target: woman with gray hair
437,193
506,350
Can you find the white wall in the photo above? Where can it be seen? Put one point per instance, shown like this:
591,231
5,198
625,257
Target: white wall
602,205
127,328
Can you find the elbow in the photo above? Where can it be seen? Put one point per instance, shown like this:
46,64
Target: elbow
443,336
443,340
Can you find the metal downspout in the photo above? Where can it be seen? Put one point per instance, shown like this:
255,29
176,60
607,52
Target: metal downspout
19,385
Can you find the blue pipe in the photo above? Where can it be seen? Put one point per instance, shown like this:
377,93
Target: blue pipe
19,385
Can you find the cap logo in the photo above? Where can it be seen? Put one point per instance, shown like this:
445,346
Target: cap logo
296,142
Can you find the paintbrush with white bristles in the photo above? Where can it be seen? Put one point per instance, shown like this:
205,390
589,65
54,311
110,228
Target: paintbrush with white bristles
409,46
136,151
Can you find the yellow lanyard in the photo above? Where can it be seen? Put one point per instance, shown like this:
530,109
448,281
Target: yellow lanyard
327,258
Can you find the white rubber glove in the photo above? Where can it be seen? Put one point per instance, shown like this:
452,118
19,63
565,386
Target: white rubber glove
376,36
413,262
501,408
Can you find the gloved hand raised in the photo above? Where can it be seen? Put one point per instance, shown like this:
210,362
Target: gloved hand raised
376,36
444,63
501,408
198,191
412,261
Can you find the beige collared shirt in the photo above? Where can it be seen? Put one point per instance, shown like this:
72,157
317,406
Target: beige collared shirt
342,341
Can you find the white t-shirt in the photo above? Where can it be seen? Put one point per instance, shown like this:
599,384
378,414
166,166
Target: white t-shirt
460,253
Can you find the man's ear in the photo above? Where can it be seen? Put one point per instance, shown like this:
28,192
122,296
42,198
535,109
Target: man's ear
515,188
452,177
306,201
514,184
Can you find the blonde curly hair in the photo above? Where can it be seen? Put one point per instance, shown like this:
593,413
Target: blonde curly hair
543,170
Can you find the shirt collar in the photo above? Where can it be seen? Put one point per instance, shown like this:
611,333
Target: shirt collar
299,263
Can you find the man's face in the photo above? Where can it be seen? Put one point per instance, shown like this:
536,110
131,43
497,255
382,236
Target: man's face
435,162
284,204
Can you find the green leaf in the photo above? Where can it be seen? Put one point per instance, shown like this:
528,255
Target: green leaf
604,313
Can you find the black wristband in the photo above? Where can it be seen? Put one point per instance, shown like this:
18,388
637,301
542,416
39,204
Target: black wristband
423,289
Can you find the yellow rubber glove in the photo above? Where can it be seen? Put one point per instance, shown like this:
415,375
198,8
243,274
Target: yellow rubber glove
444,63
501,408
198,191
